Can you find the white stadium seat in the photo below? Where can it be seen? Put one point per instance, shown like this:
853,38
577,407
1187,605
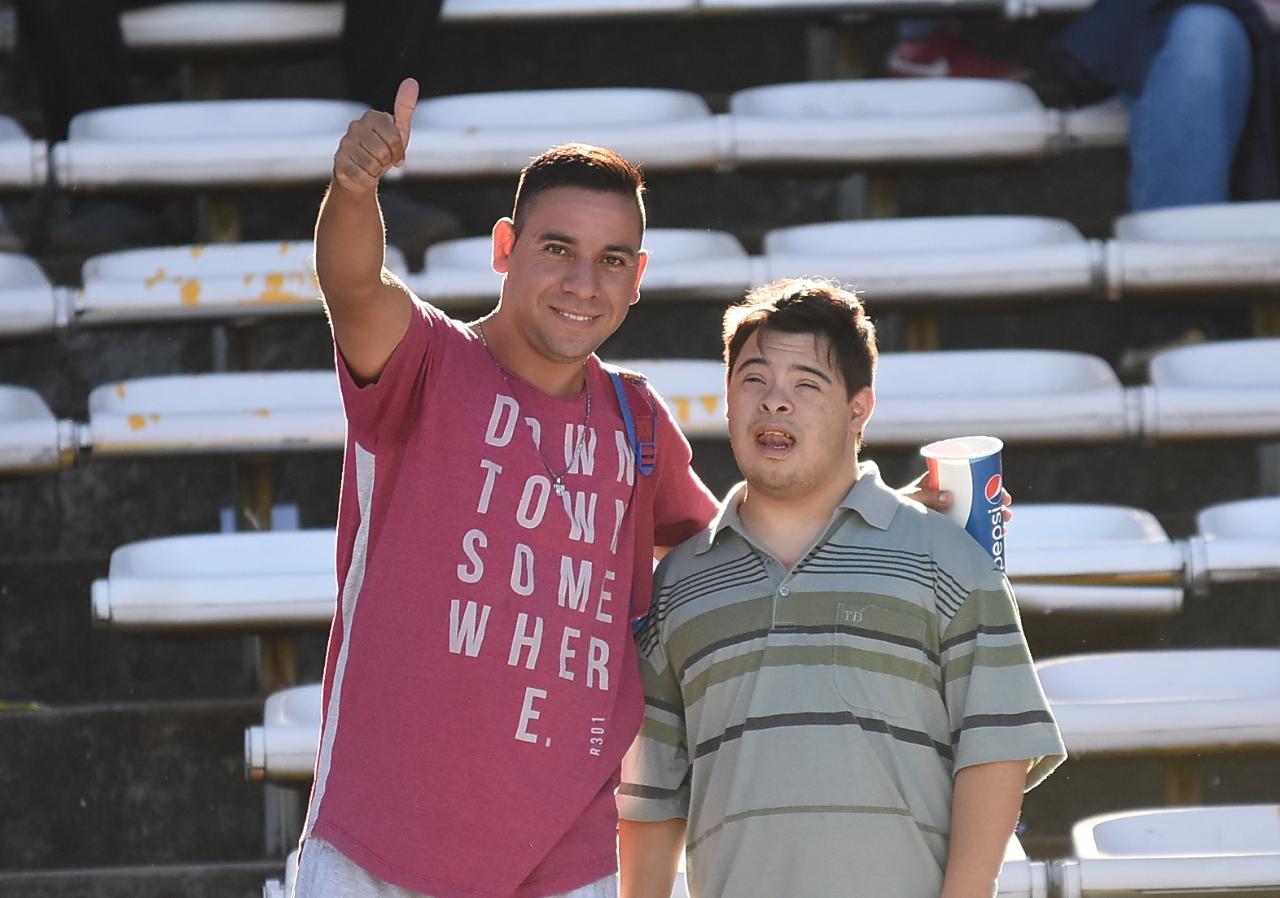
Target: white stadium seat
1021,877
1237,542
940,259
281,411
1101,125
1229,388
231,24
204,143
1220,849
23,162
235,280
1096,559
284,747
498,133
1016,395
267,579
29,304
1165,700
1213,247
497,10
277,888
890,120
686,263
31,438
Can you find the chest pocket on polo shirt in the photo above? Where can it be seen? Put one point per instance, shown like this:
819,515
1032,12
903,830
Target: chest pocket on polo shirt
878,659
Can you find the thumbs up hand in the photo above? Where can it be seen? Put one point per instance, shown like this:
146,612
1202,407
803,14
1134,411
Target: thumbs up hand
375,143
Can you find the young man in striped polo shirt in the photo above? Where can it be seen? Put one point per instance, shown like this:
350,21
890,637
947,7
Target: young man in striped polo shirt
839,696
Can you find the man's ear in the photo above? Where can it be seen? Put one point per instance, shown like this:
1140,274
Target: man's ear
642,262
861,406
504,240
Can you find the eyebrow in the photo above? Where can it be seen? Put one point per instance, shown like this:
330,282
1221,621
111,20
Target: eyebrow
557,237
808,369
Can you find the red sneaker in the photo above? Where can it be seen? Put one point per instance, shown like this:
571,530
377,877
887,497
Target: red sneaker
946,55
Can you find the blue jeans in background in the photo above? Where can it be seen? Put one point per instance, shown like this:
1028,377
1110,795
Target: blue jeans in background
1185,125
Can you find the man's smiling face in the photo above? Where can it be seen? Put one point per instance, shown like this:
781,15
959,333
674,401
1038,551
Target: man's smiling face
573,270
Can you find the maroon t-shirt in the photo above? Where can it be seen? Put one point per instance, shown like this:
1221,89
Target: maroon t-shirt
481,684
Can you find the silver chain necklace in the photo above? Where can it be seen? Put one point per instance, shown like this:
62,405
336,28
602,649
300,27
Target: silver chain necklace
557,479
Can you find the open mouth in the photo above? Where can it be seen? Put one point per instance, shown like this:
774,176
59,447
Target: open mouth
775,439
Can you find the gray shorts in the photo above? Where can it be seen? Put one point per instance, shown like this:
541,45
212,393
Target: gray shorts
325,872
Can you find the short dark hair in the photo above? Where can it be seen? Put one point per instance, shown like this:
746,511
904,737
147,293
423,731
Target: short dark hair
579,165
811,305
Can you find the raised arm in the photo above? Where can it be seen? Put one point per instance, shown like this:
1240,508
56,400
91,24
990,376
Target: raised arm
368,307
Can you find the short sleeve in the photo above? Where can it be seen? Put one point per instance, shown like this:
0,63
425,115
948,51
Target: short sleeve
656,771
682,504
997,708
373,409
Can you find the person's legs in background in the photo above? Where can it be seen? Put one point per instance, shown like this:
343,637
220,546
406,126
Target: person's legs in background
934,48
1185,125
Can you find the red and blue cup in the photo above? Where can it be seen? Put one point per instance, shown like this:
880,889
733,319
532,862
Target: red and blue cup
969,467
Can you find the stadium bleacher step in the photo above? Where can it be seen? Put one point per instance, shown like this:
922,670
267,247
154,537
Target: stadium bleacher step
128,783
224,880
51,653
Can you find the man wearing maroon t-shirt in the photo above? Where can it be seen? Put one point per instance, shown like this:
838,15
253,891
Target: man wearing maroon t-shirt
495,535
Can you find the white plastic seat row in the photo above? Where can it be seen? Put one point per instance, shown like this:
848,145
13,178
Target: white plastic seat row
839,123
250,23
31,438
1088,559
1225,389
1144,702
944,259
1221,849
1165,700
1019,877
193,25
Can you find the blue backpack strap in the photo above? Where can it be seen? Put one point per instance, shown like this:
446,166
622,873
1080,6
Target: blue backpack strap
641,432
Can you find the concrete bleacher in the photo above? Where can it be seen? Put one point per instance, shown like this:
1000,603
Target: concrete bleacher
132,686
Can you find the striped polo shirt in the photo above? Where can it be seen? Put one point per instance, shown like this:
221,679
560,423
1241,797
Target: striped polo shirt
809,722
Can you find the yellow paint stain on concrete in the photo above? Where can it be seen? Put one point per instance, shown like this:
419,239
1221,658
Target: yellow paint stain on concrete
120,391
190,292
276,291
155,417
198,251
683,407
248,279
710,403
260,412
155,278
137,422
284,248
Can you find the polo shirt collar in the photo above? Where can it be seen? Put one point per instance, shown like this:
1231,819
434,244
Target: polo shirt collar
869,497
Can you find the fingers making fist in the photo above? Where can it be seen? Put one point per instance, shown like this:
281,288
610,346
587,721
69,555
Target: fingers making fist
375,143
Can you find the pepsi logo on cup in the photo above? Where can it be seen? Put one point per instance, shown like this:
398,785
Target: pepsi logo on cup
993,488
